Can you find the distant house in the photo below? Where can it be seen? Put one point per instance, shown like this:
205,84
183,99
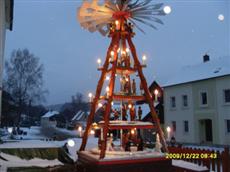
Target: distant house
158,104
79,119
48,120
197,102
6,22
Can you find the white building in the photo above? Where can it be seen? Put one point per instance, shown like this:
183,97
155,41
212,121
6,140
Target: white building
48,119
197,102
6,21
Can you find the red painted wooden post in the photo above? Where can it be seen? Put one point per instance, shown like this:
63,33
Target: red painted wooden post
108,106
225,159
97,96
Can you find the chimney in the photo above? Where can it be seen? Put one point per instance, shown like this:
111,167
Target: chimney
206,58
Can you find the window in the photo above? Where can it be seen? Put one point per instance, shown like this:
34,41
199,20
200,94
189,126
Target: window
186,128
227,96
173,126
203,98
184,100
173,102
228,125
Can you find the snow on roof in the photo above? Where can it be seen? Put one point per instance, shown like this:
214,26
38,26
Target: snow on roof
145,109
205,70
77,114
50,114
80,116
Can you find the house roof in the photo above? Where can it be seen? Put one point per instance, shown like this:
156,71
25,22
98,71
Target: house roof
78,115
211,69
50,114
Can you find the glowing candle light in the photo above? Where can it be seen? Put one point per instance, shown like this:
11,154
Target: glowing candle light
168,129
99,62
92,132
156,92
90,95
144,58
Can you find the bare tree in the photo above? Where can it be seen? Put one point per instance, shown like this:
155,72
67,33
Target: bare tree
24,80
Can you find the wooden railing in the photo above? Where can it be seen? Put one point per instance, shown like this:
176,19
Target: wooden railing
214,160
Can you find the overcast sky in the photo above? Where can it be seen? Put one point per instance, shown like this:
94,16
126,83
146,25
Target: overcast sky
50,30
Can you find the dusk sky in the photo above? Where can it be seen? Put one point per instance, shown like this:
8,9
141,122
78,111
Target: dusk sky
50,30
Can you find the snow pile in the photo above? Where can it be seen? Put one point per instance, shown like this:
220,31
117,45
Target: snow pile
14,161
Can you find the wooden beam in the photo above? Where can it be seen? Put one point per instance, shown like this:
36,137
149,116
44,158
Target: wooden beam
110,99
97,96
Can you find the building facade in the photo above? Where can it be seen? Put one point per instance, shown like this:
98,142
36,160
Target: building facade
6,20
197,103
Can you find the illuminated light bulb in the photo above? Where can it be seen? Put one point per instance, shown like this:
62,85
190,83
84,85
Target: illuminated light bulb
112,103
92,132
127,50
130,106
123,53
71,143
221,17
117,22
80,129
167,9
107,89
132,131
10,130
107,78
100,105
90,95
118,50
156,92
112,53
168,129
144,58
126,79
99,61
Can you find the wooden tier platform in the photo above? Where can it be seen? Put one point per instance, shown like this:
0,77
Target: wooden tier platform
125,98
113,125
89,162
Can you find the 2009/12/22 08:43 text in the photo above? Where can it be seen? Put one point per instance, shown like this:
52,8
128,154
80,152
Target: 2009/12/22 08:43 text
191,155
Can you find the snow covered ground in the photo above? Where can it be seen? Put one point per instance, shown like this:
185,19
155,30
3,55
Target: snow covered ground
14,161
35,139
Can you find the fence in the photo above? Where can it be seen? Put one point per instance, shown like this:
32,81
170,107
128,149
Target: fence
214,160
